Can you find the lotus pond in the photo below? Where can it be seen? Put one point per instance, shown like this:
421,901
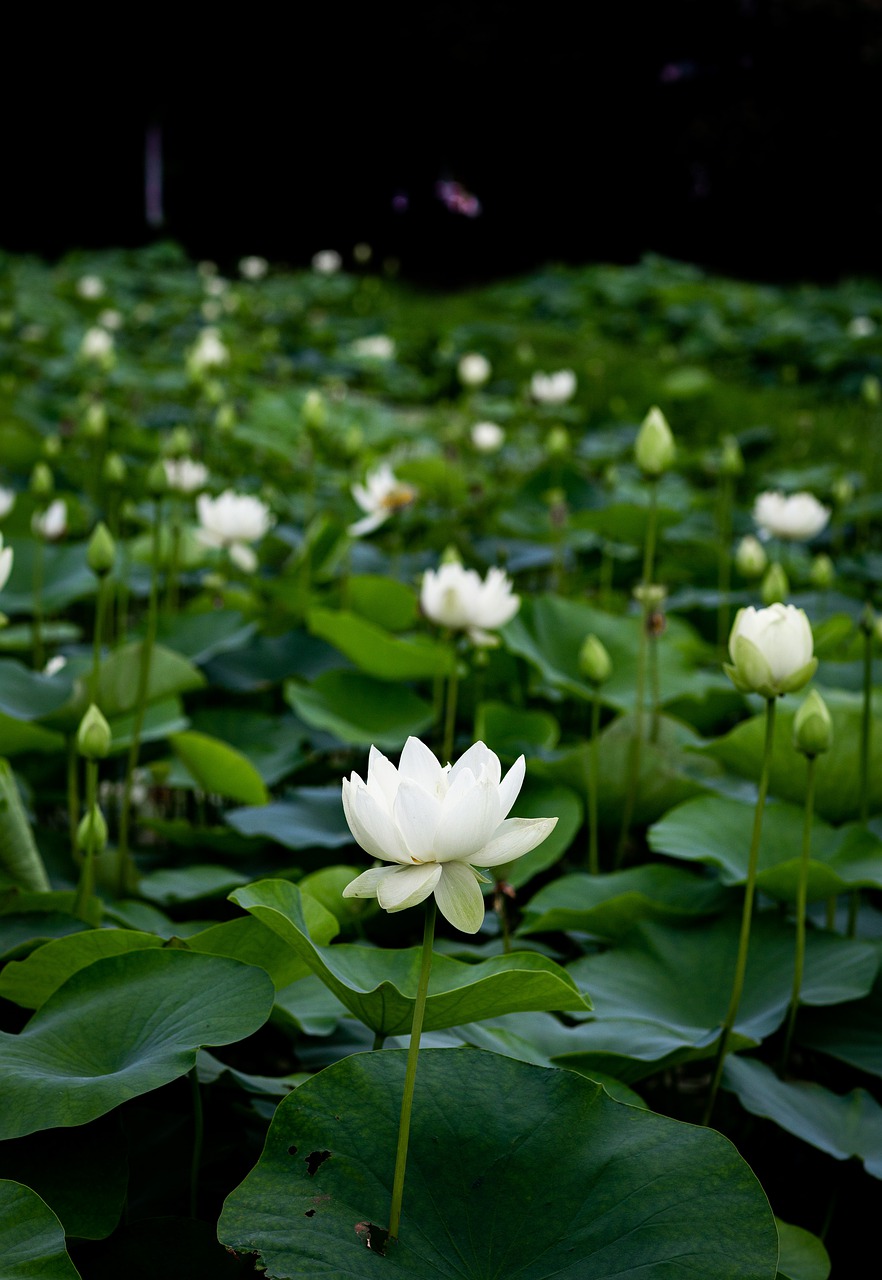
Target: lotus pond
606,540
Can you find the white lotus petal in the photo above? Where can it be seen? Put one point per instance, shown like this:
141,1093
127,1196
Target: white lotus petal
382,778
470,815
459,897
419,764
416,814
407,886
514,838
509,788
383,839
477,755
366,885
367,524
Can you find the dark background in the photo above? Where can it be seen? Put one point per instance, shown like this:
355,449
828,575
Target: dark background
741,134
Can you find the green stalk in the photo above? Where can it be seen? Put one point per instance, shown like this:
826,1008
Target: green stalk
637,739
126,865
73,790
654,689
37,616
98,635
171,583
419,1010
746,914
724,568
854,898
605,584
86,884
801,898
593,770
450,714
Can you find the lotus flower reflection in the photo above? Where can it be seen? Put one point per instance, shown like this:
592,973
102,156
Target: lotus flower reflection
435,823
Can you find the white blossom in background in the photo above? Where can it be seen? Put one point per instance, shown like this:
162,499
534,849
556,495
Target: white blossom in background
473,369
90,287
377,346
110,319
455,597
7,501
362,253
253,267
327,262
51,524
435,824
215,286
97,345
796,518
5,563
861,327
185,475
207,352
381,495
233,520
487,437
211,310
55,664
553,388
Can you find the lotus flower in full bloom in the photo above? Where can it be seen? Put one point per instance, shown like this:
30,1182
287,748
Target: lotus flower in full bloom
185,475
457,598
433,824
796,518
553,388
232,521
380,496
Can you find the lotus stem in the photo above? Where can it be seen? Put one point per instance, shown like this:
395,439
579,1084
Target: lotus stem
593,771
724,570
642,654
854,898
73,791
746,914
174,558
86,883
801,898
101,616
450,712
419,1010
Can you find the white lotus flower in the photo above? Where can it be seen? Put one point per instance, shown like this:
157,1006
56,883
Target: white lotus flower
797,518
435,824
457,598
5,563
473,369
487,437
553,388
376,346
97,345
327,262
7,501
233,520
771,650
253,267
90,287
51,524
861,327
207,352
110,319
185,475
380,496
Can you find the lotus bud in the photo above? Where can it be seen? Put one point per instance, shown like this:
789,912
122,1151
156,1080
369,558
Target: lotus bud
750,557
812,726
842,490
225,418
92,831
101,551
179,443
771,651
450,555
93,735
314,411
594,661
213,390
42,482
157,481
775,585
95,420
650,594
822,573
731,458
52,446
557,442
877,630
114,470
871,390
868,620
654,450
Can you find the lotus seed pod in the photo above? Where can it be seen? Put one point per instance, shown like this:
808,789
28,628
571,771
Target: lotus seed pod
750,557
812,726
822,573
101,551
775,586
93,735
654,450
594,661
650,594
92,831
42,482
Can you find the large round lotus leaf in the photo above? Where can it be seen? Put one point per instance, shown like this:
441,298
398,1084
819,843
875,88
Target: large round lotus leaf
717,830
379,986
609,905
850,1032
31,1237
121,1027
513,1170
